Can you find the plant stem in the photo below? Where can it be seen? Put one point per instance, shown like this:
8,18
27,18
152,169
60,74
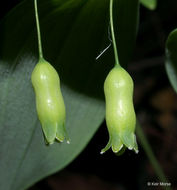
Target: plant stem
112,34
38,30
147,148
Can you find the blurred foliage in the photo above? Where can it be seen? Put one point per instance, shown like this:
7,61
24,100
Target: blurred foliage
150,4
171,58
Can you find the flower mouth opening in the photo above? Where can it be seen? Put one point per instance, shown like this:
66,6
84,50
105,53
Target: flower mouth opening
119,145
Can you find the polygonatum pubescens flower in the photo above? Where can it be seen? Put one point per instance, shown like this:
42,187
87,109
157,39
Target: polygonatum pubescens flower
120,114
49,101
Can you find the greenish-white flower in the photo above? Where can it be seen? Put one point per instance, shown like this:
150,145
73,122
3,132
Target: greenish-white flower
49,102
120,114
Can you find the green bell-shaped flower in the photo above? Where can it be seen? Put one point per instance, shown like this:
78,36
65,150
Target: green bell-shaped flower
49,102
120,114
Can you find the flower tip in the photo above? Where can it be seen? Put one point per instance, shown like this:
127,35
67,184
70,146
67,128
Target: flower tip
117,149
130,148
136,151
59,139
68,141
106,147
49,143
114,149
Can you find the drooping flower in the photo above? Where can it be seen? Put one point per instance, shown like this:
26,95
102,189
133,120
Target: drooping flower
120,114
49,102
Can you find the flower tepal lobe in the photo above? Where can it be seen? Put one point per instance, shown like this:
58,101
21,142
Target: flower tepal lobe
49,101
120,114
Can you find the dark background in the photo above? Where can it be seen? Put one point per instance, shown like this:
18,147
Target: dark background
156,108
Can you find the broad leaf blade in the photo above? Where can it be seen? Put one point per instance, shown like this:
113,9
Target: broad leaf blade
171,58
73,34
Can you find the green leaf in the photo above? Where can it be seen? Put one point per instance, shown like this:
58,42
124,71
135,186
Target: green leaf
171,58
150,4
73,34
